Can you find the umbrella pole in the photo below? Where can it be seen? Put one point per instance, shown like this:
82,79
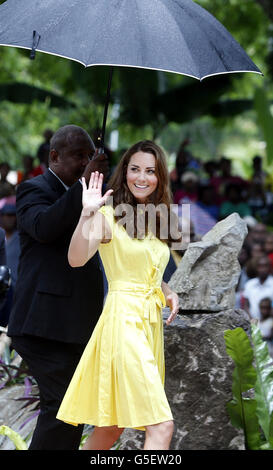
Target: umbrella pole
101,138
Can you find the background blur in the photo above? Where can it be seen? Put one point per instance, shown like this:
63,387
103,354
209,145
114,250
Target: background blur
227,116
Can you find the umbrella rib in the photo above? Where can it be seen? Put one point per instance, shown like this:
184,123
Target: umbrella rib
213,46
138,23
217,51
190,52
210,42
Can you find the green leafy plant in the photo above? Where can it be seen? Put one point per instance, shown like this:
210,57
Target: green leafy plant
14,437
264,386
265,121
251,407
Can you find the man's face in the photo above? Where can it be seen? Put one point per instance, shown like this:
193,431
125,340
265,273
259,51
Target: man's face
258,233
256,250
263,268
265,309
69,163
268,246
8,222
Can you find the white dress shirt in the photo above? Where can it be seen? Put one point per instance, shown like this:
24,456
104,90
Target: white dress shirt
66,187
254,292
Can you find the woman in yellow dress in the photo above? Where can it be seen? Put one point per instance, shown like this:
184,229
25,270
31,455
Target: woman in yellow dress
119,381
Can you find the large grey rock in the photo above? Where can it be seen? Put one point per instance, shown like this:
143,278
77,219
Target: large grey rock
206,277
198,382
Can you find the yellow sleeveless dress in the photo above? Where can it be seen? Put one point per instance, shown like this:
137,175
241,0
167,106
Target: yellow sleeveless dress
120,377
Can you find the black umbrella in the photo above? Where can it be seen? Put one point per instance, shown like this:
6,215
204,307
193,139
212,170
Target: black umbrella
169,35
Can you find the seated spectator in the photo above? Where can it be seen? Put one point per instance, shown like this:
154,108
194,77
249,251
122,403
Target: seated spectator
43,154
268,246
266,322
211,168
6,188
251,268
206,200
256,250
9,224
257,233
243,259
181,163
28,167
258,288
259,200
257,172
226,178
234,202
189,189
3,262
29,170
184,162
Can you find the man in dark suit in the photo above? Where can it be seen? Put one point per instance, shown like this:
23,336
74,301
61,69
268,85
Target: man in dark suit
55,307
3,253
3,291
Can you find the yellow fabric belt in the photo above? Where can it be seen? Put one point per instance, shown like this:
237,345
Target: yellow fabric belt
152,293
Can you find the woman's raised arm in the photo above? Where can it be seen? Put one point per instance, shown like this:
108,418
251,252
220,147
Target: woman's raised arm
92,227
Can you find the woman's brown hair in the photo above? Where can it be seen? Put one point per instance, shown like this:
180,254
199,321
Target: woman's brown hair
161,196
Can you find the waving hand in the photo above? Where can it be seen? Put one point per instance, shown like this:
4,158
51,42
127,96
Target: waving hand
92,198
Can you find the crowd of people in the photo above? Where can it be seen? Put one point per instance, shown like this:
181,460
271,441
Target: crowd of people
212,187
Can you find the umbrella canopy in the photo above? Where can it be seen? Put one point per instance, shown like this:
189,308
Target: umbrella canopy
170,35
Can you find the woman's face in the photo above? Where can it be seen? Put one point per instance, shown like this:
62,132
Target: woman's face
141,178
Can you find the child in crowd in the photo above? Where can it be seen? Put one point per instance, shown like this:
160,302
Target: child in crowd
266,322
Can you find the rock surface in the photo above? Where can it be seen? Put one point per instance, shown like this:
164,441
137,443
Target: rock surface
208,273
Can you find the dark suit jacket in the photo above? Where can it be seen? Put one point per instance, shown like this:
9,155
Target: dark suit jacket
3,262
3,253
52,299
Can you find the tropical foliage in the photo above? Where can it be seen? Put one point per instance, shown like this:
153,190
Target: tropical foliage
251,407
14,436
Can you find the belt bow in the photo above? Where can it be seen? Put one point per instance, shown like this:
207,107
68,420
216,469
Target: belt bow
154,297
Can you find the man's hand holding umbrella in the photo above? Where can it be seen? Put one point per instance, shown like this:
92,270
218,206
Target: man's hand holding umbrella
100,163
